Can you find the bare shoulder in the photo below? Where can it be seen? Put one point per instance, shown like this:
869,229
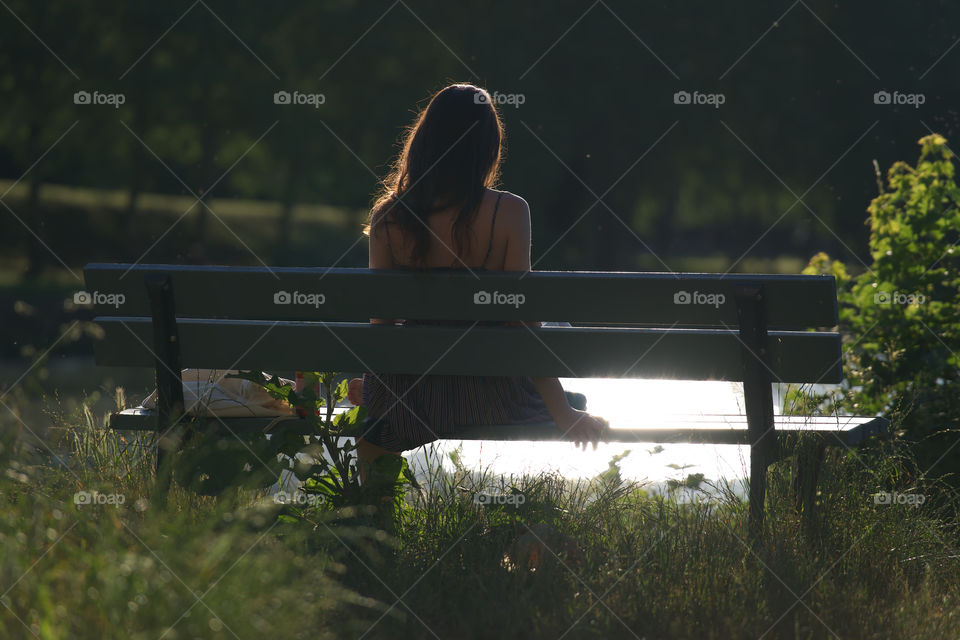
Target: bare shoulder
379,218
514,210
380,211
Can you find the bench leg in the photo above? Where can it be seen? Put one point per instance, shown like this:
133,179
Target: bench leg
166,448
166,351
758,493
758,398
806,472
162,472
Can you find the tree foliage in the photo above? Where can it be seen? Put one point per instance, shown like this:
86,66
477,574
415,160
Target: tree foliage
901,319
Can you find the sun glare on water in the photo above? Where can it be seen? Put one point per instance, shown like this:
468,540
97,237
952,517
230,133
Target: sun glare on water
626,404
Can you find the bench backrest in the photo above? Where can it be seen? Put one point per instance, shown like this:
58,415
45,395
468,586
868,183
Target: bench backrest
663,325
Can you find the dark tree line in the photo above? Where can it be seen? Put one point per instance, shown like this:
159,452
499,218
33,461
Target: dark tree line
598,115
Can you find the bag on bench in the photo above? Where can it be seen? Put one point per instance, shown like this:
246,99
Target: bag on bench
208,392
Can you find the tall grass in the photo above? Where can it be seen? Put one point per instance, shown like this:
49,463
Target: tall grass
571,559
650,567
118,566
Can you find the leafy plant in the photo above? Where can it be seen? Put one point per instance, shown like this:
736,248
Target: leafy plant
327,463
900,315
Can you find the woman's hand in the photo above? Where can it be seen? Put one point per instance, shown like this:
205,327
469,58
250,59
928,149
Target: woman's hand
581,427
576,425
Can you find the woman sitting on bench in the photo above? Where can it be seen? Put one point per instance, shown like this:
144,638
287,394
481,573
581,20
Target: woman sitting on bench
438,211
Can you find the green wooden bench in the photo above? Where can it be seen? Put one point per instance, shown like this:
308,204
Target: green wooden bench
756,329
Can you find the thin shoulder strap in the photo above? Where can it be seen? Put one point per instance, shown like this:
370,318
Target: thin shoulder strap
493,221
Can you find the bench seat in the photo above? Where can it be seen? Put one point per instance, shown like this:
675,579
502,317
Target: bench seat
702,429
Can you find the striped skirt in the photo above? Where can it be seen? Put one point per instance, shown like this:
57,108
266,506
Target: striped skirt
406,411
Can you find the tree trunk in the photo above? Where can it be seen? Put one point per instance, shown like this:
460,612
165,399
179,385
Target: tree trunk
282,251
198,252
133,197
133,193
37,255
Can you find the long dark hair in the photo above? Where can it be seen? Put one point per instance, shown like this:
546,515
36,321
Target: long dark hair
451,154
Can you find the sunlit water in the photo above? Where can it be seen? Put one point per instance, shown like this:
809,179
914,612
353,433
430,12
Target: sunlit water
625,403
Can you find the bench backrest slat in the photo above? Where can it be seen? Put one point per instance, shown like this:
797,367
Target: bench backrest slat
648,299
685,354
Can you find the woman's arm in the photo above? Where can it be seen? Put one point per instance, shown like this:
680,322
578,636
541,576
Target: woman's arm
380,257
579,426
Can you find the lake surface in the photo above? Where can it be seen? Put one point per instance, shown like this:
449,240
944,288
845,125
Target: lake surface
627,403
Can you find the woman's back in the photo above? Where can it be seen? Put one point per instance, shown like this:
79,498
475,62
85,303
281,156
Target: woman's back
496,238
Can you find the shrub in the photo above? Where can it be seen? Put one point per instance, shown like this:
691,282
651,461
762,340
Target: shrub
902,329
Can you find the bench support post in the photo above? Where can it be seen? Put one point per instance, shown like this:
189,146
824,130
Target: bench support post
807,462
166,351
758,398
